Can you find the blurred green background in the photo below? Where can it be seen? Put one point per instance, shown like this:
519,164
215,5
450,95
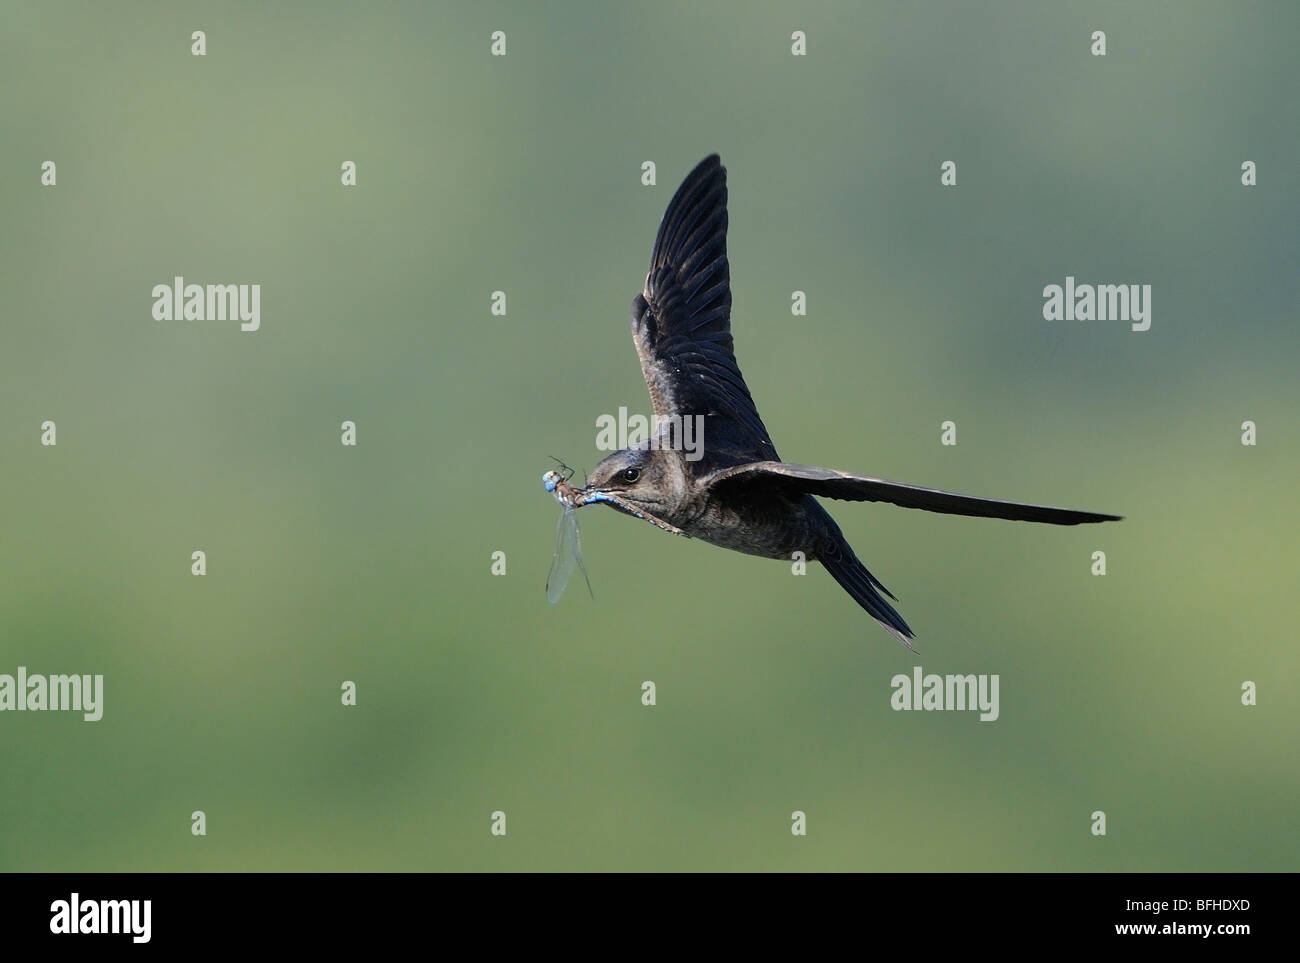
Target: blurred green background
522,174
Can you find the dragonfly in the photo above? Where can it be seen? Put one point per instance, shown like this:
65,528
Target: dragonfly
568,547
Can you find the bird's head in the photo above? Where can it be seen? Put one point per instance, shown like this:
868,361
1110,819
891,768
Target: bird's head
647,479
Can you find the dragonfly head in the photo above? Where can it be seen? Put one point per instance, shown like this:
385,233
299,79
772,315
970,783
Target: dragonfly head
558,485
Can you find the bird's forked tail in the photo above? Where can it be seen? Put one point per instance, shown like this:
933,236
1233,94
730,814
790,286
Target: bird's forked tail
866,589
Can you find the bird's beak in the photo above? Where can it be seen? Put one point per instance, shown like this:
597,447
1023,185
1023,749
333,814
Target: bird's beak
592,495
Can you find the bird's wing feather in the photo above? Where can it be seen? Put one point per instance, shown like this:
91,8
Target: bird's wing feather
860,488
681,321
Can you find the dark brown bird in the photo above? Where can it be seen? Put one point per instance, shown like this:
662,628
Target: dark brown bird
735,491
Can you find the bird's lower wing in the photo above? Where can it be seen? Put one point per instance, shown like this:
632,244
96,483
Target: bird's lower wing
860,488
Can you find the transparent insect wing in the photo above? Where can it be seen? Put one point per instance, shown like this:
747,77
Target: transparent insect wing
568,556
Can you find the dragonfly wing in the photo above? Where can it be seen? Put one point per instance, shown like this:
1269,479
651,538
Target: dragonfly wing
577,552
568,555
562,563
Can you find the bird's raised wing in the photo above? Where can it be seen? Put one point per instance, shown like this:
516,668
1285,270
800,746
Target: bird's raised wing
681,322
859,488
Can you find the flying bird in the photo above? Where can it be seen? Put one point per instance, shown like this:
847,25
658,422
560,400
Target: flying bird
735,491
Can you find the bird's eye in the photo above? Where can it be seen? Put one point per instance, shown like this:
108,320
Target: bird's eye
630,474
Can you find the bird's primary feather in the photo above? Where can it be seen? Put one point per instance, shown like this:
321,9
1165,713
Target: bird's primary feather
681,322
829,483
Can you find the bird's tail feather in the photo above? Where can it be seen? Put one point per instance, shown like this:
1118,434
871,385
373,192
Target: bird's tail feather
866,589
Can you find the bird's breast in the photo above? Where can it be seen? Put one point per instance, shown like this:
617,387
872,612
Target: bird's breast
769,526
